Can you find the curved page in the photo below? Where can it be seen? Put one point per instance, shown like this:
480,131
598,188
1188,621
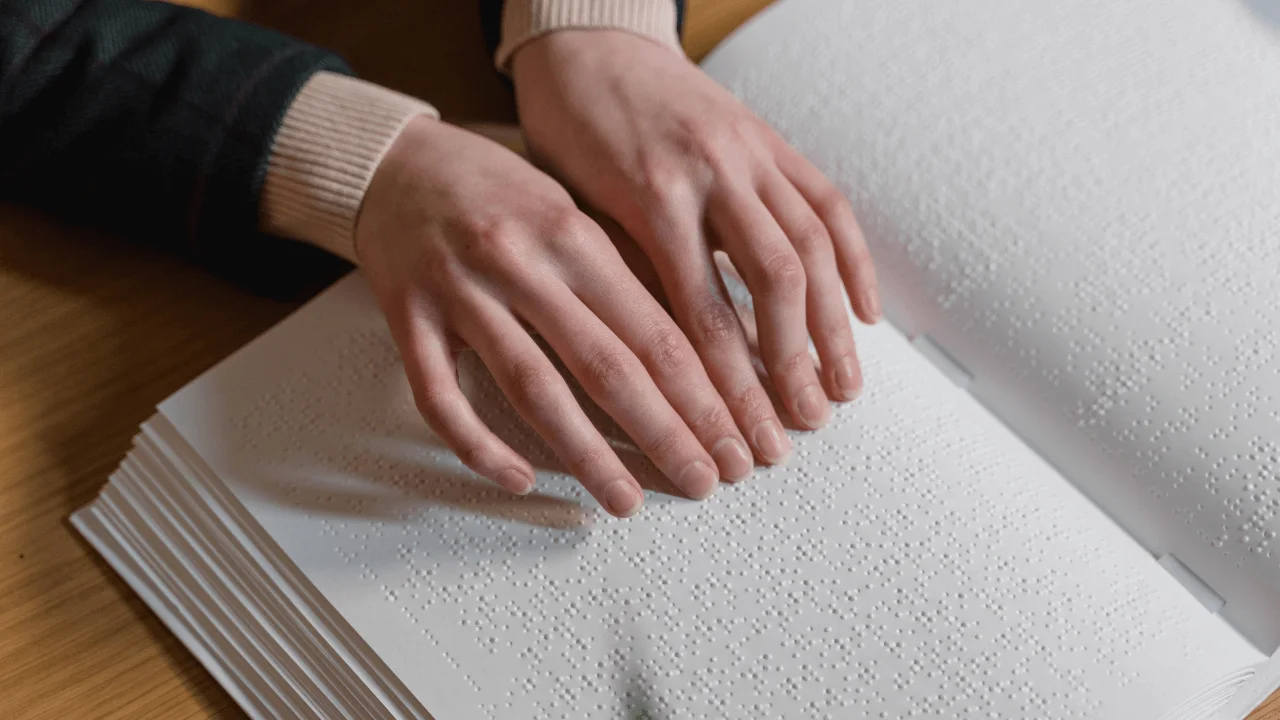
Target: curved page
914,557
1080,202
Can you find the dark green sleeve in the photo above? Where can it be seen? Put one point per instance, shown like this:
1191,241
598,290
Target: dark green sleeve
150,119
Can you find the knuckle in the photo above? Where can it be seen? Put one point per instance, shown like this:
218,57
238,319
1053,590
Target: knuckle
493,244
744,129
429,399
588,461
810,237
711,419
660,181
794,363
716,322
835,333
711,143
752,405
739,137
529,382
668,351
470,453
741,125
570,225
606,371
783,275
831,203
664,444
717,153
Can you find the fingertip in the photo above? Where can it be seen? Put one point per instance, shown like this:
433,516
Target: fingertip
698,479
622,498
517,480
771,442
812,409
870,312
869,309
846,379
733,459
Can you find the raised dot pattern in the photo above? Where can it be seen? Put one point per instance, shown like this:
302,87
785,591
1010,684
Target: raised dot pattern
1080,201
912,561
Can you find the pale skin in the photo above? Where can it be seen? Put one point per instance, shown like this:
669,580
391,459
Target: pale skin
466,244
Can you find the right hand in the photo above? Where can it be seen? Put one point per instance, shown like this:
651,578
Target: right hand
463,240
646,137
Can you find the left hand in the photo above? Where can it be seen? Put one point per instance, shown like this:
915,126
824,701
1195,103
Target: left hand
645,136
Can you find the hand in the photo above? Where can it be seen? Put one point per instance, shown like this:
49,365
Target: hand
642,134
462,240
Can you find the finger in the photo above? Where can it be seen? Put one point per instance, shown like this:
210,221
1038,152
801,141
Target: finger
832,207
633,256
828,321
621,301
543,399
746,316
776,278
703,310
620,384
432,374
725,265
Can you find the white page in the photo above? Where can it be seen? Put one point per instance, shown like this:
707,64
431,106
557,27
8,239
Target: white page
914,556
1080,201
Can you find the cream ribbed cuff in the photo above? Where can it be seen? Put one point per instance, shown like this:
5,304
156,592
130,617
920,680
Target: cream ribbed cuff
332,139
523,20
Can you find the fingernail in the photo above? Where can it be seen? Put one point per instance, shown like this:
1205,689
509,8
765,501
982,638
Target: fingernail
772,444
871,299
733,458
517,481
622,498
813,407
847,378
698,479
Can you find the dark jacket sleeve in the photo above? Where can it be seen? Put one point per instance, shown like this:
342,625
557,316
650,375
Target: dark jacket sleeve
150,119
491,21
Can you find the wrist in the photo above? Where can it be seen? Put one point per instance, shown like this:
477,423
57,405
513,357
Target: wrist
397,183
324,156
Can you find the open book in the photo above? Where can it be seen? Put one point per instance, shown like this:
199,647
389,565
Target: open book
1058,496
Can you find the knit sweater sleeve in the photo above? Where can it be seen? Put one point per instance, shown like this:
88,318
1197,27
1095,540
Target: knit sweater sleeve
524,20
508,24
150,119
324,157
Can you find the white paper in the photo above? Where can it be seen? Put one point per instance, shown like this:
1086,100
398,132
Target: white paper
1080,202
914,558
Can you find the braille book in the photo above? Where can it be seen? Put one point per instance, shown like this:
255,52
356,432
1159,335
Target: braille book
1057,497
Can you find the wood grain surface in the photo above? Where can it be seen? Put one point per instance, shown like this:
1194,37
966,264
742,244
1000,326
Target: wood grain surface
94,332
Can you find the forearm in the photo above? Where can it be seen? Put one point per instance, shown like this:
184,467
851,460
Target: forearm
144,117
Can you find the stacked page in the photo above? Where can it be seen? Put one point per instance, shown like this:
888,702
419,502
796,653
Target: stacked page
1056,498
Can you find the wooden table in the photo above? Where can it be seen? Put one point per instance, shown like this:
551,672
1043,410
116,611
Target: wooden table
94,332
